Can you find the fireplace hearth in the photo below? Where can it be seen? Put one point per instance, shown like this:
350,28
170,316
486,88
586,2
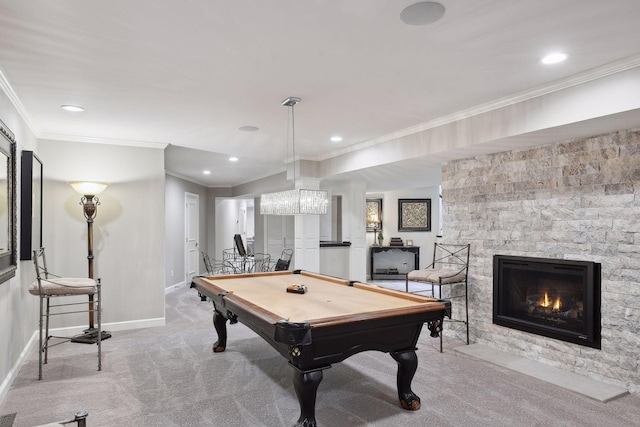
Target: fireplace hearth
554,298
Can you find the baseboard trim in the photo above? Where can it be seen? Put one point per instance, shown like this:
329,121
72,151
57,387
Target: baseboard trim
115,326
135,324
13,373
172,288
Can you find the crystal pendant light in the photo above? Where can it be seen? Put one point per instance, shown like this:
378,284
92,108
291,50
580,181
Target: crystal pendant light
297,201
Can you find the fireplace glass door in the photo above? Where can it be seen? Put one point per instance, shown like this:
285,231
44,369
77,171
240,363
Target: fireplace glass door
554,298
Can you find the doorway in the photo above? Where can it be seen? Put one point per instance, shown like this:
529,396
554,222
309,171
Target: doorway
191,230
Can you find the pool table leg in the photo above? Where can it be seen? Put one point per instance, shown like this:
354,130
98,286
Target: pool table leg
306,385
220,323
407,366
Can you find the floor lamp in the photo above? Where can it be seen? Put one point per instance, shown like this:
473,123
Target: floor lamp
89,202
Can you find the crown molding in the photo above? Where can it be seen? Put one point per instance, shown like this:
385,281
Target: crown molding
107,141
13,97
195,181
17,104
559,85
615,67
184,178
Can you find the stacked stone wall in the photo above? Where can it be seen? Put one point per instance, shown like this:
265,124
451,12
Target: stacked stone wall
576,200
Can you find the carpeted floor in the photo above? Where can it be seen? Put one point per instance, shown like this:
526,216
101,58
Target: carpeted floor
168,376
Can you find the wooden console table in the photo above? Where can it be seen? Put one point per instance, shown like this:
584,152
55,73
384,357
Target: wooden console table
393,262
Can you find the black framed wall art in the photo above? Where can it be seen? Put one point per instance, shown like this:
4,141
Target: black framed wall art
414,214
30,204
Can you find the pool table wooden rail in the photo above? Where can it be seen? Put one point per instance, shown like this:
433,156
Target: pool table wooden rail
351,301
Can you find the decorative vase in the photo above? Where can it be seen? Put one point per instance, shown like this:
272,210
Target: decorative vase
380,240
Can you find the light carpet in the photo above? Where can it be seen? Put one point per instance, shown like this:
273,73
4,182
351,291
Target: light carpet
168,376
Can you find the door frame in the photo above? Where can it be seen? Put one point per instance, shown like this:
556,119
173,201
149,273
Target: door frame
196,219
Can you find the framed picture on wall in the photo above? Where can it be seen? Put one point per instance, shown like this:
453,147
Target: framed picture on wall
414,214
8,206
30,204
374,214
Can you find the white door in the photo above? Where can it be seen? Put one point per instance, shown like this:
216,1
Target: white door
191,220
280,234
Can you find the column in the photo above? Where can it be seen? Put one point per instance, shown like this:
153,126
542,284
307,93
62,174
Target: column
354,202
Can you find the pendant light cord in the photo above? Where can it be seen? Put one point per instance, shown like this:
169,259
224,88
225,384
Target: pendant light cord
291,102
293,143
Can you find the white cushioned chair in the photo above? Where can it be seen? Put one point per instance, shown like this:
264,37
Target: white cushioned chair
47,286
450,266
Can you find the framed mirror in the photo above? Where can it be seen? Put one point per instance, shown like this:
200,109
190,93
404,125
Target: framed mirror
30,204
8,230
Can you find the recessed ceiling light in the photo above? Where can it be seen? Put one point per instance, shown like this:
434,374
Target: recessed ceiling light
248,128
422,13
554,58
206,172
336,138
72,108
233,159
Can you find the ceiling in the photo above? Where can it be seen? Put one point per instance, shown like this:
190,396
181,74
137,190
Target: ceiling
191,73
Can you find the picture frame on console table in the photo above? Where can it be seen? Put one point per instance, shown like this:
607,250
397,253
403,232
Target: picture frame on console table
414,214
374,211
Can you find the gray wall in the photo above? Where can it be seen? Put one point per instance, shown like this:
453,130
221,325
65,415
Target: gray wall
128,229
571,200
129,238
18,309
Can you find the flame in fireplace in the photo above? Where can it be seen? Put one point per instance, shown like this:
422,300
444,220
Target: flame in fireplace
546,301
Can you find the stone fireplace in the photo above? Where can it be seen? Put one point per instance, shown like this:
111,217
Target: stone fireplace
577,200
558,299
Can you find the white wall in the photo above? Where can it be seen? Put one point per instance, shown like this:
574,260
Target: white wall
354,228
227,223
129,235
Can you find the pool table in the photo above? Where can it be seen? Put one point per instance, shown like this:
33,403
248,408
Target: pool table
333,320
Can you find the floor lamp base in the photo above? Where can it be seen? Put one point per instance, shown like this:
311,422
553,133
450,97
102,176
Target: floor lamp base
90,336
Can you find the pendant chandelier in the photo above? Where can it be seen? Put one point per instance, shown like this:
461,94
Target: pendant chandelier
297,201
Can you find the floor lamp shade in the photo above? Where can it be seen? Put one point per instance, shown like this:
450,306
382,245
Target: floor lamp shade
86,188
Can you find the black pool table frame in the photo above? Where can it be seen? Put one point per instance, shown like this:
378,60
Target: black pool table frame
312,349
